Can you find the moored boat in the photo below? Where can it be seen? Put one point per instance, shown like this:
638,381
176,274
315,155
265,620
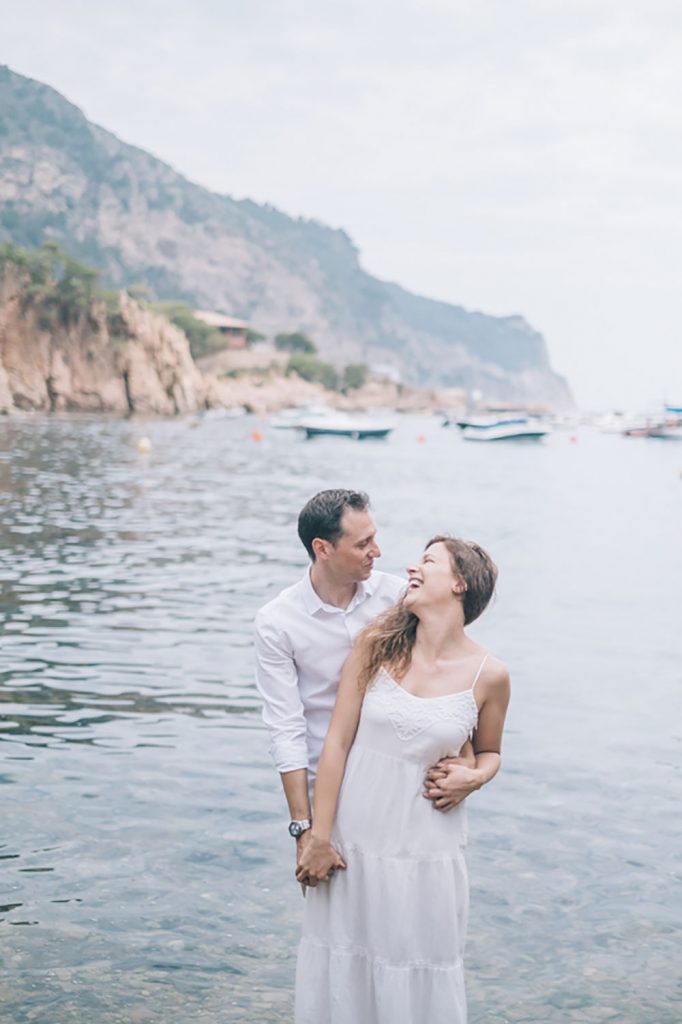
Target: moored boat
638,430
516,428
291,419
667,431
359,428
667,425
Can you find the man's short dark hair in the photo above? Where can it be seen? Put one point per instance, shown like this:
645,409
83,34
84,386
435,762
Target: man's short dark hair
321,516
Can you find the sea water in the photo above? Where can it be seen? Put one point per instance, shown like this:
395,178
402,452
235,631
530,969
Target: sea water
146,874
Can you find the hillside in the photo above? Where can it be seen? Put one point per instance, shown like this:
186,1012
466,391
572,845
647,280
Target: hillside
137,220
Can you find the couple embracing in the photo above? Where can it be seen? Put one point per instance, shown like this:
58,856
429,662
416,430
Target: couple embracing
378,702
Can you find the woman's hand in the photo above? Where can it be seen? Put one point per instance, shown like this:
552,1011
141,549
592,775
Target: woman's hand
450,782
318,862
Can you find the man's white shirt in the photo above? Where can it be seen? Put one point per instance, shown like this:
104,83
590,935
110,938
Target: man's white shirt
301,645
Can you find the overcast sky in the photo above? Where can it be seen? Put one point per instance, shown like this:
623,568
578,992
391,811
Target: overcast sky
512,157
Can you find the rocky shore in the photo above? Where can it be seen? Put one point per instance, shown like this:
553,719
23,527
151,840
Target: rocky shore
274,392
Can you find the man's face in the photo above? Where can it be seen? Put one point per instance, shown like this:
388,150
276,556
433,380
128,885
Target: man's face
353,555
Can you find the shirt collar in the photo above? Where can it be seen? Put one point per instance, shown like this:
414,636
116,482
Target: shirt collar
313,602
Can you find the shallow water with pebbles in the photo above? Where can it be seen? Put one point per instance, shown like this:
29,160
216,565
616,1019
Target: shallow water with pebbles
145,870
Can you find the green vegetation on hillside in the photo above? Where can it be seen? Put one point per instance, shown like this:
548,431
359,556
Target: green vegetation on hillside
203,340
62,288
311,368
306,363
296,342
355,376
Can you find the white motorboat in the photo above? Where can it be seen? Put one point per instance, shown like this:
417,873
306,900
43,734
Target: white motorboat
667,431
612,422
667,425
357,427
640,428
671,428
291,419
511,428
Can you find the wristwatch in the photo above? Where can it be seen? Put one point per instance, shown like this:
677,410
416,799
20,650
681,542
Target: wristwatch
297,828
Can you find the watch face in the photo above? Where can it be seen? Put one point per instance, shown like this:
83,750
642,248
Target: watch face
295,829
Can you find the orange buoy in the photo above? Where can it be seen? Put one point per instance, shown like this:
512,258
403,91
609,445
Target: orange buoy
256,435
421,439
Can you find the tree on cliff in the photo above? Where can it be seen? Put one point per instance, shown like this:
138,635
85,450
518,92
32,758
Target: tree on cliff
59,285
296,342
203,339
355,376
309,367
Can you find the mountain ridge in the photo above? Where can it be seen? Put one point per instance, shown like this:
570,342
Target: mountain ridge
137,219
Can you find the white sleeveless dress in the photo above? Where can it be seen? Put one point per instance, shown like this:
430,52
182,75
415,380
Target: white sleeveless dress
383,941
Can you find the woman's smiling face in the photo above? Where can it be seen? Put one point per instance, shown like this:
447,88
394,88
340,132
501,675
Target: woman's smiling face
432,579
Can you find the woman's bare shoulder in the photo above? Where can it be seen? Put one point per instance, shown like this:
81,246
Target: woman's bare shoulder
495,675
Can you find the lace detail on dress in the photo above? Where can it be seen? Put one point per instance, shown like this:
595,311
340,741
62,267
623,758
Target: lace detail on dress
410,715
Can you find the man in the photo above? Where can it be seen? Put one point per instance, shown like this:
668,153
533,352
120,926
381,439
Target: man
305,634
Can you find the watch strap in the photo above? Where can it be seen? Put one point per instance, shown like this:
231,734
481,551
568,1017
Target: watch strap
298,827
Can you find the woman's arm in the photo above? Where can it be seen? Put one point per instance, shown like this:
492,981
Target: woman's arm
447,785
320,858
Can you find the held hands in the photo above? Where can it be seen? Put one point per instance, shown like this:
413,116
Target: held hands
317,861
452,780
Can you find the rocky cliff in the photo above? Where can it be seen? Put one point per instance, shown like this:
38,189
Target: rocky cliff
135,361
136,219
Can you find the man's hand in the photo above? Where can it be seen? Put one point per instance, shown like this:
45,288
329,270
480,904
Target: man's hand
466,757
452,779
317,862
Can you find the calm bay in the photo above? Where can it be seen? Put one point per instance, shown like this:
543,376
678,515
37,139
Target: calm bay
145,868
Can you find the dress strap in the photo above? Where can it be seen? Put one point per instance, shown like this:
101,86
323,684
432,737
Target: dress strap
480,669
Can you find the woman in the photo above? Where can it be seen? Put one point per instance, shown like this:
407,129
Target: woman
383,938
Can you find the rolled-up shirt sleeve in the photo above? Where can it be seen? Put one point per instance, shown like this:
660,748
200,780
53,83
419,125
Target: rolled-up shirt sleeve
277,684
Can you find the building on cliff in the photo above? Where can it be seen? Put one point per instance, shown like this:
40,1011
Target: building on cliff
233,330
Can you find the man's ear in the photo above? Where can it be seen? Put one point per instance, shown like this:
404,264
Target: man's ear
320,547
459,587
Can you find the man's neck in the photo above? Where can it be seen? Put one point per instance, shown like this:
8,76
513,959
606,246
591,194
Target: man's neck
338,593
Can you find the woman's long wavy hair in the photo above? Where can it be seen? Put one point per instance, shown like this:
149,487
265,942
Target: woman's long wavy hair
388,641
